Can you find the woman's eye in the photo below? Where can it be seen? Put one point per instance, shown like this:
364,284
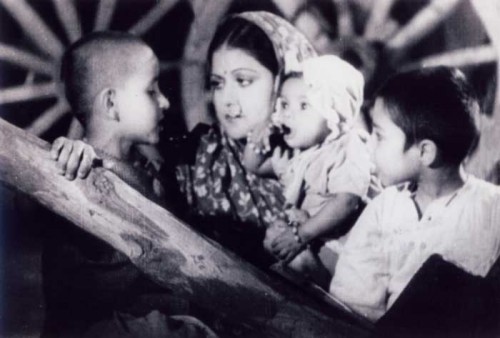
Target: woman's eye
284,105
215,84
244,82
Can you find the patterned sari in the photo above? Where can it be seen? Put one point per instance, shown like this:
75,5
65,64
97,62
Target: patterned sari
214,181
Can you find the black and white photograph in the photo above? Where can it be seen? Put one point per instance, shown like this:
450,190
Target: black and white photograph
249,168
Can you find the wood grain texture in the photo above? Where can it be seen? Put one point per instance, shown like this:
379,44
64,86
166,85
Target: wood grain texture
169,251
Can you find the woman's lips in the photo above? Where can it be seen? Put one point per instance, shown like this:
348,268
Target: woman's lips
232,118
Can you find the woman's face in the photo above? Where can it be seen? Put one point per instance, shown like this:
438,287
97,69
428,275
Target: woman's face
242,90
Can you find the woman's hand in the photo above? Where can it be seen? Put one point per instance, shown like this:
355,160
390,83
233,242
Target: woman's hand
260,138
272,232
280,161
75,157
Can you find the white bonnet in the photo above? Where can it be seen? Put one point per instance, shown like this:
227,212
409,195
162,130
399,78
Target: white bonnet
335,89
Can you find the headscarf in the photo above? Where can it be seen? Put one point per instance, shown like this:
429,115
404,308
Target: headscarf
335,89
290,45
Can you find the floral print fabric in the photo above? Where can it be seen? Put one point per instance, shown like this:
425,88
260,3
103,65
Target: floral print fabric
217,184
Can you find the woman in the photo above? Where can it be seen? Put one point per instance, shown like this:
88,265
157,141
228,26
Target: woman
246,56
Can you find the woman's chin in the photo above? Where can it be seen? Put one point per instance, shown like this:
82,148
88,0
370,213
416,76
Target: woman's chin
235,132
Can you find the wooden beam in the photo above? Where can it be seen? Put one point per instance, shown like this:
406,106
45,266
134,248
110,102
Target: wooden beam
166,249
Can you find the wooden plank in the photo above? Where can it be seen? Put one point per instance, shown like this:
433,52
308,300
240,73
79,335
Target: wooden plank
166,249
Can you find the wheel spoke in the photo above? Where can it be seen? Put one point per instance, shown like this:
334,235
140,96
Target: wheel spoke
422,24
460,58
195,49
66,12
24,59
345,23
48,118
34,27
105,11
152,17
28,92
378,16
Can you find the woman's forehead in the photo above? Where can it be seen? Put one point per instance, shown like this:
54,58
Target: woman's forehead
230,59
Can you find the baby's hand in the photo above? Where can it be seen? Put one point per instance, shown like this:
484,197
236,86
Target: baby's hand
280,160
297,215
260,138
74,157
272,232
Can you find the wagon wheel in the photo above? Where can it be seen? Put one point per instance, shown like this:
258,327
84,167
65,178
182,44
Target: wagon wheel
44,63
41,66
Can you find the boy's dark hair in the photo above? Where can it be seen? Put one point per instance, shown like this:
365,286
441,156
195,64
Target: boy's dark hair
93,62
239,33
435,104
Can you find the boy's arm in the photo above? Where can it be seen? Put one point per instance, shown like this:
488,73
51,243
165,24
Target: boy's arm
362,271
75,158
334,214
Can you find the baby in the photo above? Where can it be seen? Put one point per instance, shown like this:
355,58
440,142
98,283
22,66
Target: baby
328,175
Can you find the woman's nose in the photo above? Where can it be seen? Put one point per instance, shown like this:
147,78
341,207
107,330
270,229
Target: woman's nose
229,96
164,103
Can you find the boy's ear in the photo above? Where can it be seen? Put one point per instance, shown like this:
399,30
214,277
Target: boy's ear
107,100
428,152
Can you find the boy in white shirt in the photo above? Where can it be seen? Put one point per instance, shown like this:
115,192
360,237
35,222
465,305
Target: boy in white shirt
424,127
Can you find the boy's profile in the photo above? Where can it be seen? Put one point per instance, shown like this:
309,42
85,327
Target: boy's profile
111,83
423,128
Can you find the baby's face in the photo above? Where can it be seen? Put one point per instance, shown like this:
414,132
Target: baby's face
139,101
304,126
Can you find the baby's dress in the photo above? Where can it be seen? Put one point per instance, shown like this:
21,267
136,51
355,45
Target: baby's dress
338,165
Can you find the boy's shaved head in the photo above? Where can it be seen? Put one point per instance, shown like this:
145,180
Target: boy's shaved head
99,60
